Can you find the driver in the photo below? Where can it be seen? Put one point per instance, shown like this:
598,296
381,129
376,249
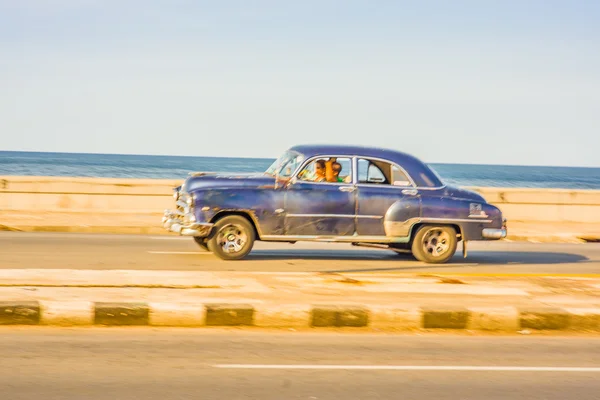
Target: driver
318,175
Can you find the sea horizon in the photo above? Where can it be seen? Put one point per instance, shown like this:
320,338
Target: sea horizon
146,166
275,157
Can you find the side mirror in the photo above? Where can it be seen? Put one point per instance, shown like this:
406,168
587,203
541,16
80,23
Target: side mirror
286,184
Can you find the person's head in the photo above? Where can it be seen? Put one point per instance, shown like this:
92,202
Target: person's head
320,168
337,168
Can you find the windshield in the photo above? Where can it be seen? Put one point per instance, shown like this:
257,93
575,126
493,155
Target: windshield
286,164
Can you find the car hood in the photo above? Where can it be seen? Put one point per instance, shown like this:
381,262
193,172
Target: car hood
462,193
209,180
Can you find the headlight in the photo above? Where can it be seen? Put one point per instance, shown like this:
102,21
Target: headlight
190,200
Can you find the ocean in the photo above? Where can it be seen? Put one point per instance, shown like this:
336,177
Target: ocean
177,167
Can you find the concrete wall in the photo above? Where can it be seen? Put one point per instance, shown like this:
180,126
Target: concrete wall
26,199
93,195
545,205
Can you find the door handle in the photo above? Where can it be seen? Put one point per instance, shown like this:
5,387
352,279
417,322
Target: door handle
411,192
347,188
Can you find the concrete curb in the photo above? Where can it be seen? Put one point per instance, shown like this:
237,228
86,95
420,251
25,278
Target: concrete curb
299,316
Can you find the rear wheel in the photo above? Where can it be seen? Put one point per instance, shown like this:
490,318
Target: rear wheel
434,244
201,241
232,238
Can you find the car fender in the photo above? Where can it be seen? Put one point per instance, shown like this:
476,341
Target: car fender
401,216
469,215
259,204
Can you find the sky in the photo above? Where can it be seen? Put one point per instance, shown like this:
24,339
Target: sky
483,82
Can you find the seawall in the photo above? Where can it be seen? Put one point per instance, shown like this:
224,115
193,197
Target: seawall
40,203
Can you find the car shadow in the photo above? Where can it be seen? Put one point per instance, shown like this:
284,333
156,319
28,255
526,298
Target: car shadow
479,257
522,257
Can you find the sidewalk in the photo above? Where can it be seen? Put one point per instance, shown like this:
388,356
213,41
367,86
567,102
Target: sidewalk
394,302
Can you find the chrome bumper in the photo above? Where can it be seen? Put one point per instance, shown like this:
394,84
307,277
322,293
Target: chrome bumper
490,233
495,233
174,221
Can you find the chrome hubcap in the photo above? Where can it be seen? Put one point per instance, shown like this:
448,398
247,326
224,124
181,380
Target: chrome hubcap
436,242
232,238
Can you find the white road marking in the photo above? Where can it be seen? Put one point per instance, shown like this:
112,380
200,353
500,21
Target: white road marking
181,252
412,367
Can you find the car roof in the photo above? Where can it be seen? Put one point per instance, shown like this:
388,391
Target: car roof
310,150
421,173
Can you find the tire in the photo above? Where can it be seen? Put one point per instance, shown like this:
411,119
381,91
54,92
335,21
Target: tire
201,241
240,243
434,244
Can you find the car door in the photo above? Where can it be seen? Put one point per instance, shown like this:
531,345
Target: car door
383,190
321,208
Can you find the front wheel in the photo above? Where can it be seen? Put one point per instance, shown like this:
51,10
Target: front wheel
434,244
232,238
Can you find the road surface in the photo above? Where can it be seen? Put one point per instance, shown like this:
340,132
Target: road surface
74,364
96,251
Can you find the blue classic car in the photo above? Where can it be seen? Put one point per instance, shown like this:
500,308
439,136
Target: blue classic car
330,193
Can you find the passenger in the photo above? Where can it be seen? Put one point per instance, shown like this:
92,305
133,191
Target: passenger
337,168
332,171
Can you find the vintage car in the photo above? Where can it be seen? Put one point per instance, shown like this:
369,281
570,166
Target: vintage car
379,198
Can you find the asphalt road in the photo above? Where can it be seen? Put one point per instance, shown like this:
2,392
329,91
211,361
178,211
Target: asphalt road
164,364
95,251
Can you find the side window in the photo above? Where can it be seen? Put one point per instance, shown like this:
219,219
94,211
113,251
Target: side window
343,170
369,172
380,172
399,178
316,170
